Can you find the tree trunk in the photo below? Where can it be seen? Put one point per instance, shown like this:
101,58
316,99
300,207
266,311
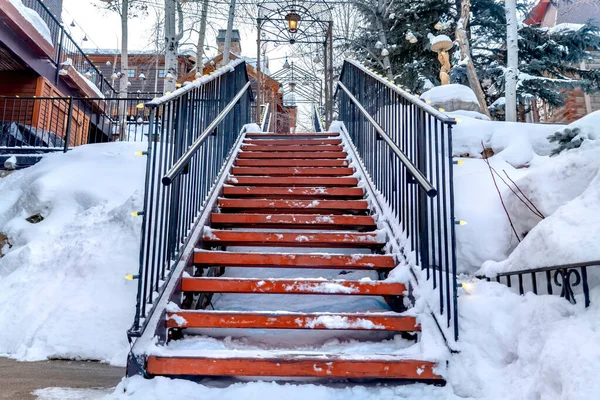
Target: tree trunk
201,38
227,46
379,15
512,64
124,69
172,37
465,54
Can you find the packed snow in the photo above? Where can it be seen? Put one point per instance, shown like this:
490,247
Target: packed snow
62,285
34,19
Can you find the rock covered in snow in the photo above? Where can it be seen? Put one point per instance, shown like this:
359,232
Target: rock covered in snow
11,163
452,97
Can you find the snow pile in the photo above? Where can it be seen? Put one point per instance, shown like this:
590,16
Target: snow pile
452,97
518,142
62,285
34,19
563,189
566,190
526,347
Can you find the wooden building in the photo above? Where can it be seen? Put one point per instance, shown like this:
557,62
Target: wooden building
549,14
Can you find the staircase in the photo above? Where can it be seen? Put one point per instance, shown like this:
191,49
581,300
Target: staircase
288,276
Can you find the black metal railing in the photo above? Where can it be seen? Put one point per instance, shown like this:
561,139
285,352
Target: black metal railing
195,129
405,146
265,118
60,123
318,119
68,54
562,280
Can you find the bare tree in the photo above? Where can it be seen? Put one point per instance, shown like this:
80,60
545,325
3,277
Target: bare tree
173,35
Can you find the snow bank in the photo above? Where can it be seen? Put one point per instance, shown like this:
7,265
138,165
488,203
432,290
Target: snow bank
34,19
62,285
518,142
526,347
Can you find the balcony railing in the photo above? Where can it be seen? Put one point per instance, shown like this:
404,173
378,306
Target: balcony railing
68,54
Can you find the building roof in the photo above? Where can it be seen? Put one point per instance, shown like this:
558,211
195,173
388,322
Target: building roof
568,11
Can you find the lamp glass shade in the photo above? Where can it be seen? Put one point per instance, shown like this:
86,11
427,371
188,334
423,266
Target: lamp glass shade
292,19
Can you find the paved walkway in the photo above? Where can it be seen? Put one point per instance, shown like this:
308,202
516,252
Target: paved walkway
18,380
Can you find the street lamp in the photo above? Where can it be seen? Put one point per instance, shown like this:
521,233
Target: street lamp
286,64
292,19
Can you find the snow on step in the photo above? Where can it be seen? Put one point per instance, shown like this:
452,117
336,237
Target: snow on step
292,181
292,162
281,192
286,260
293,154
389,321
239,238
308,147
293,142
292,286
314,206
301,221
267,135
290,364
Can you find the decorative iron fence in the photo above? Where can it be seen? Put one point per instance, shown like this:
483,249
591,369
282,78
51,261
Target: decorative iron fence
195,129
60,123
68,54
405,146
562,280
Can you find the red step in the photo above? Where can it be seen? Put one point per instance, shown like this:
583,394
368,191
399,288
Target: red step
302,221
281,192
291,162
291,171
276,364
292,154
293,142
327,135
240,238
292,181
280,260
202,319
254,148
298,206
292,286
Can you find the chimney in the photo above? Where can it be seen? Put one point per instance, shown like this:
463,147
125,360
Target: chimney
236,46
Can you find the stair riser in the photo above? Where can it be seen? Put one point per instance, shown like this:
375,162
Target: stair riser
280,193
292,163
292,181
287,171
318,367
303,148
279,286
294,142
291,154
240,320
364,262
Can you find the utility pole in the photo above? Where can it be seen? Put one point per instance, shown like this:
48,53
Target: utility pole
512,64
227,47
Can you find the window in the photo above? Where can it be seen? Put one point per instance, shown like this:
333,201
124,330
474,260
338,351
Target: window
131,73
161,73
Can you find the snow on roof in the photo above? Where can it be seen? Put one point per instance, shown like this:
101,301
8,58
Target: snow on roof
565,27
34,19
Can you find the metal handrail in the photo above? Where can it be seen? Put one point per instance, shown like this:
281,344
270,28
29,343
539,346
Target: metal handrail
179,166
551,268
411,98
265,117
412,169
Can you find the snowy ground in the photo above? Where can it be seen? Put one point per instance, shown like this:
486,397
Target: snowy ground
63,292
